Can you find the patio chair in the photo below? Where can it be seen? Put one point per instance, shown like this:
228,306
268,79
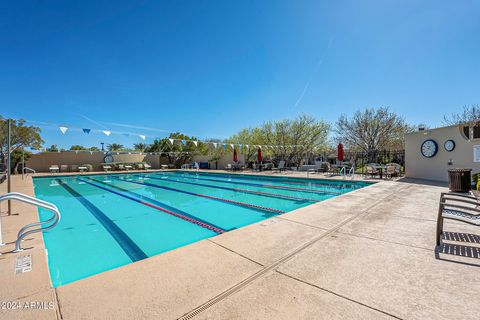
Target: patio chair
63,168
281,166
120,166
74,168
139,166
391,171
459,207
229,167
128,167
146,166
106,167
54,168
370,170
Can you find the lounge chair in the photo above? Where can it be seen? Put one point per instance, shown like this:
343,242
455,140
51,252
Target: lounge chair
128,167
281,166
54,168
106,167
459,207
82,169
229,167
120,167
74,168
63,168
146,166
139,166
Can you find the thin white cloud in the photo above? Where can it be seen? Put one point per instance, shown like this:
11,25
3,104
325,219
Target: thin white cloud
317,66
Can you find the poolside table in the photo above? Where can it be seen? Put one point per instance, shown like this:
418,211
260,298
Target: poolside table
380,169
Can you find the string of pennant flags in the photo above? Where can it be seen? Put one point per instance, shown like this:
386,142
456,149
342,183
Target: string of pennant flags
64,129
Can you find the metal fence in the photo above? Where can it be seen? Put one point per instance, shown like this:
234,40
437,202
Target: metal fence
361,159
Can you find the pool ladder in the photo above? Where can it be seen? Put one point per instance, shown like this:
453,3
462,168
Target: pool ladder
27,229
351,172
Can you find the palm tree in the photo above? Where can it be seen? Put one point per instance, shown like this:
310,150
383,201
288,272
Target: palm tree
114,147
140,146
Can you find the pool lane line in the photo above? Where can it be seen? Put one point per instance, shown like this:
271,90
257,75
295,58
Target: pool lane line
238,203
260,193
124,241
279,180
268,186
157,205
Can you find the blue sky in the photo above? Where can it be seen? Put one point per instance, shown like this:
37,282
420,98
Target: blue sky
210,68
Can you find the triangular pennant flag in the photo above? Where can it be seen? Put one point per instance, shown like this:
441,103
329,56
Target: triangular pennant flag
231,144
171,141
107,133
87,131
142,136
63,129
195,143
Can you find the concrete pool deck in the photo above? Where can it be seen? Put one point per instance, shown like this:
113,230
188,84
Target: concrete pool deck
367,254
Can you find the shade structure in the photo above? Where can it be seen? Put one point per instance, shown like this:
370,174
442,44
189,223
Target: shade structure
340,152
235,156
259,155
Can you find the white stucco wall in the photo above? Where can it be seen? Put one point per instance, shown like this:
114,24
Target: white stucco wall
436,168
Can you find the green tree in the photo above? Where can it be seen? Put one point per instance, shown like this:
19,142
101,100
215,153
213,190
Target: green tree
140,147
52,148
295,140
177,153
22,137
93,149
17,156
248,137
77,147
115,147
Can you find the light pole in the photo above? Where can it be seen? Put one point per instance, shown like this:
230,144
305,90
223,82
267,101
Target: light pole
9,159
102,145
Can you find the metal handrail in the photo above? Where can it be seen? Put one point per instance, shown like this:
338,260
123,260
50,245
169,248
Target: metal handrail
29,169
23,232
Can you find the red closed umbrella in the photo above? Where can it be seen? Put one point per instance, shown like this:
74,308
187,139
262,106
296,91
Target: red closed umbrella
259,155
235,156
340,152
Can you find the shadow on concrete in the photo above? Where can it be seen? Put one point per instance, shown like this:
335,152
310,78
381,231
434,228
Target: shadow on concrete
424,182
459,253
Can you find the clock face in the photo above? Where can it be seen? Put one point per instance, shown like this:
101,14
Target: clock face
449,145
429,148
108,158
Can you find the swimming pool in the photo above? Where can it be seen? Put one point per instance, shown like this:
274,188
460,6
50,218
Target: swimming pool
112,220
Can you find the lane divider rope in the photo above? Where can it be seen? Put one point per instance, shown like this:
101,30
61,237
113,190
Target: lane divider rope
243,204
266,194
268,186
278,180
182,215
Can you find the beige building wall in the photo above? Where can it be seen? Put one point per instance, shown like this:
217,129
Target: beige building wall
436,168
42,161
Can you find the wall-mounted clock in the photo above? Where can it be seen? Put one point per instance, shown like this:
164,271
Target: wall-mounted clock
429,148
449,145
108,158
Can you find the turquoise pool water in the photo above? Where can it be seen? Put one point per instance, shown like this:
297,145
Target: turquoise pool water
112,220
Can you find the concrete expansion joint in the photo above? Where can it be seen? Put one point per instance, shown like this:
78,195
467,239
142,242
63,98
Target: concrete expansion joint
338,295
237,287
